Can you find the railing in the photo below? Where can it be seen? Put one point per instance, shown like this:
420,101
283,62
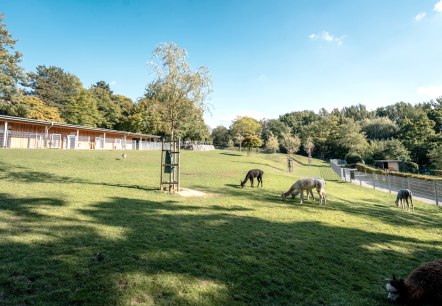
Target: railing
426,189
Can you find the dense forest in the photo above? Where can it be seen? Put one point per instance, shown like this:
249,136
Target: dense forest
174,105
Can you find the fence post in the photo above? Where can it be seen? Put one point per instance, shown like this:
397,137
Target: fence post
435,192
389,185
374,180
408,182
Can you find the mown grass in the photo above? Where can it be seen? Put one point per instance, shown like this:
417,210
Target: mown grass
88,228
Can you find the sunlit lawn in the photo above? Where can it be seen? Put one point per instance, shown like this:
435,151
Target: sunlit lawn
88,228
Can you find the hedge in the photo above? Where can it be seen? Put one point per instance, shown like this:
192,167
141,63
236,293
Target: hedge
368,169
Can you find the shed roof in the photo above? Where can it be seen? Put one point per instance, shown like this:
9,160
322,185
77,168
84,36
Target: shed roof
66,125
387,160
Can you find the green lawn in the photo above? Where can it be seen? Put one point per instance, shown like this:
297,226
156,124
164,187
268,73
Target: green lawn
88,228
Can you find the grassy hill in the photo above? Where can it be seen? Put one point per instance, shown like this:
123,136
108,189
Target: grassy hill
89,228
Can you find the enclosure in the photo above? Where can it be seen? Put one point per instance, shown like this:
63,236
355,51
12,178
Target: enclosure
87,227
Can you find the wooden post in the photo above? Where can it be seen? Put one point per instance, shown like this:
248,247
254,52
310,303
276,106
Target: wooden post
389,184
161,163
5,135
178,165
435,193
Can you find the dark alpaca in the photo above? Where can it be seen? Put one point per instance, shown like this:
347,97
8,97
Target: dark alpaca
422,286
251,176
404,195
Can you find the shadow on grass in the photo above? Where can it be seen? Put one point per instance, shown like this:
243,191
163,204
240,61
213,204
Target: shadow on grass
260,164
169,253
230,154
25,175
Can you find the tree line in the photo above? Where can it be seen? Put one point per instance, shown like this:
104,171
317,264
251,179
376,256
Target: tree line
173,104
402,131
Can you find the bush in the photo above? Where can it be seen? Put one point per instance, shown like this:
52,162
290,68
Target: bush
411,167
353,158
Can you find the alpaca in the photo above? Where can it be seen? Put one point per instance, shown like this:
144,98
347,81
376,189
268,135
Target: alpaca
124,155
422,286
251,176
306,184
404,194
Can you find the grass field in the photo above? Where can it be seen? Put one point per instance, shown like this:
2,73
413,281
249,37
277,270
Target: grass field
88,228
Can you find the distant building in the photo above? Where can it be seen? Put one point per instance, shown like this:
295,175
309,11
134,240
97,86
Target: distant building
18,132
389,164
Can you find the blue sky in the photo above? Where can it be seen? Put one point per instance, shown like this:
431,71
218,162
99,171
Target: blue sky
266,57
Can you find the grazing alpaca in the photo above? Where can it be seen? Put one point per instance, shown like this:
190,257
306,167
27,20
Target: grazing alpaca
306,184
124,155
404,194
422,286
251,176
320,183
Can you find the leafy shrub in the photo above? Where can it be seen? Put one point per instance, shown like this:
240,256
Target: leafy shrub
411,167
353,158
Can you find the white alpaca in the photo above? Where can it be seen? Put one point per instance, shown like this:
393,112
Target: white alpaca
307,184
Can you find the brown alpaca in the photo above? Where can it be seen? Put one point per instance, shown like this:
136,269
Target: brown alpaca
422,286
251,176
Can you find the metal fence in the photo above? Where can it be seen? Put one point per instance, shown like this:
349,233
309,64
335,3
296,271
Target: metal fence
426,189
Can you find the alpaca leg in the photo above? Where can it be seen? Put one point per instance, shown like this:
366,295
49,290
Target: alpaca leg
302,195
252,182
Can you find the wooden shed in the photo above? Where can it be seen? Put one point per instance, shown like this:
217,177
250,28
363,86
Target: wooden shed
16,132
389,164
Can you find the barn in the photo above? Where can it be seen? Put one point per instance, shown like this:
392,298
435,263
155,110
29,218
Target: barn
16,132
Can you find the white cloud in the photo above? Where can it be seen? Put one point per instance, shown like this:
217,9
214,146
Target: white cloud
326,36
431,92
420,16
438,6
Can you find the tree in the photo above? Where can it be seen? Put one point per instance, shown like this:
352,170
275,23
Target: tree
106,104
291,143
309,146
250,142
178,93
273,127
220,136
54,86
126,106
298,121
11,74
356,112
436,156
245,126
396,111
82,110
386,149
349,138
324,133
239,139
379,128
272,143
416,132
33,108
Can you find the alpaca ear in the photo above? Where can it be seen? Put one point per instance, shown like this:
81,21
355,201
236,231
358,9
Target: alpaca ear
394,277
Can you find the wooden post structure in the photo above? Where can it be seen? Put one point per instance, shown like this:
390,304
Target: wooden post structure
170,166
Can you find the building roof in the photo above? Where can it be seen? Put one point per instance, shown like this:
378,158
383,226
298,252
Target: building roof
66,125
387,160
